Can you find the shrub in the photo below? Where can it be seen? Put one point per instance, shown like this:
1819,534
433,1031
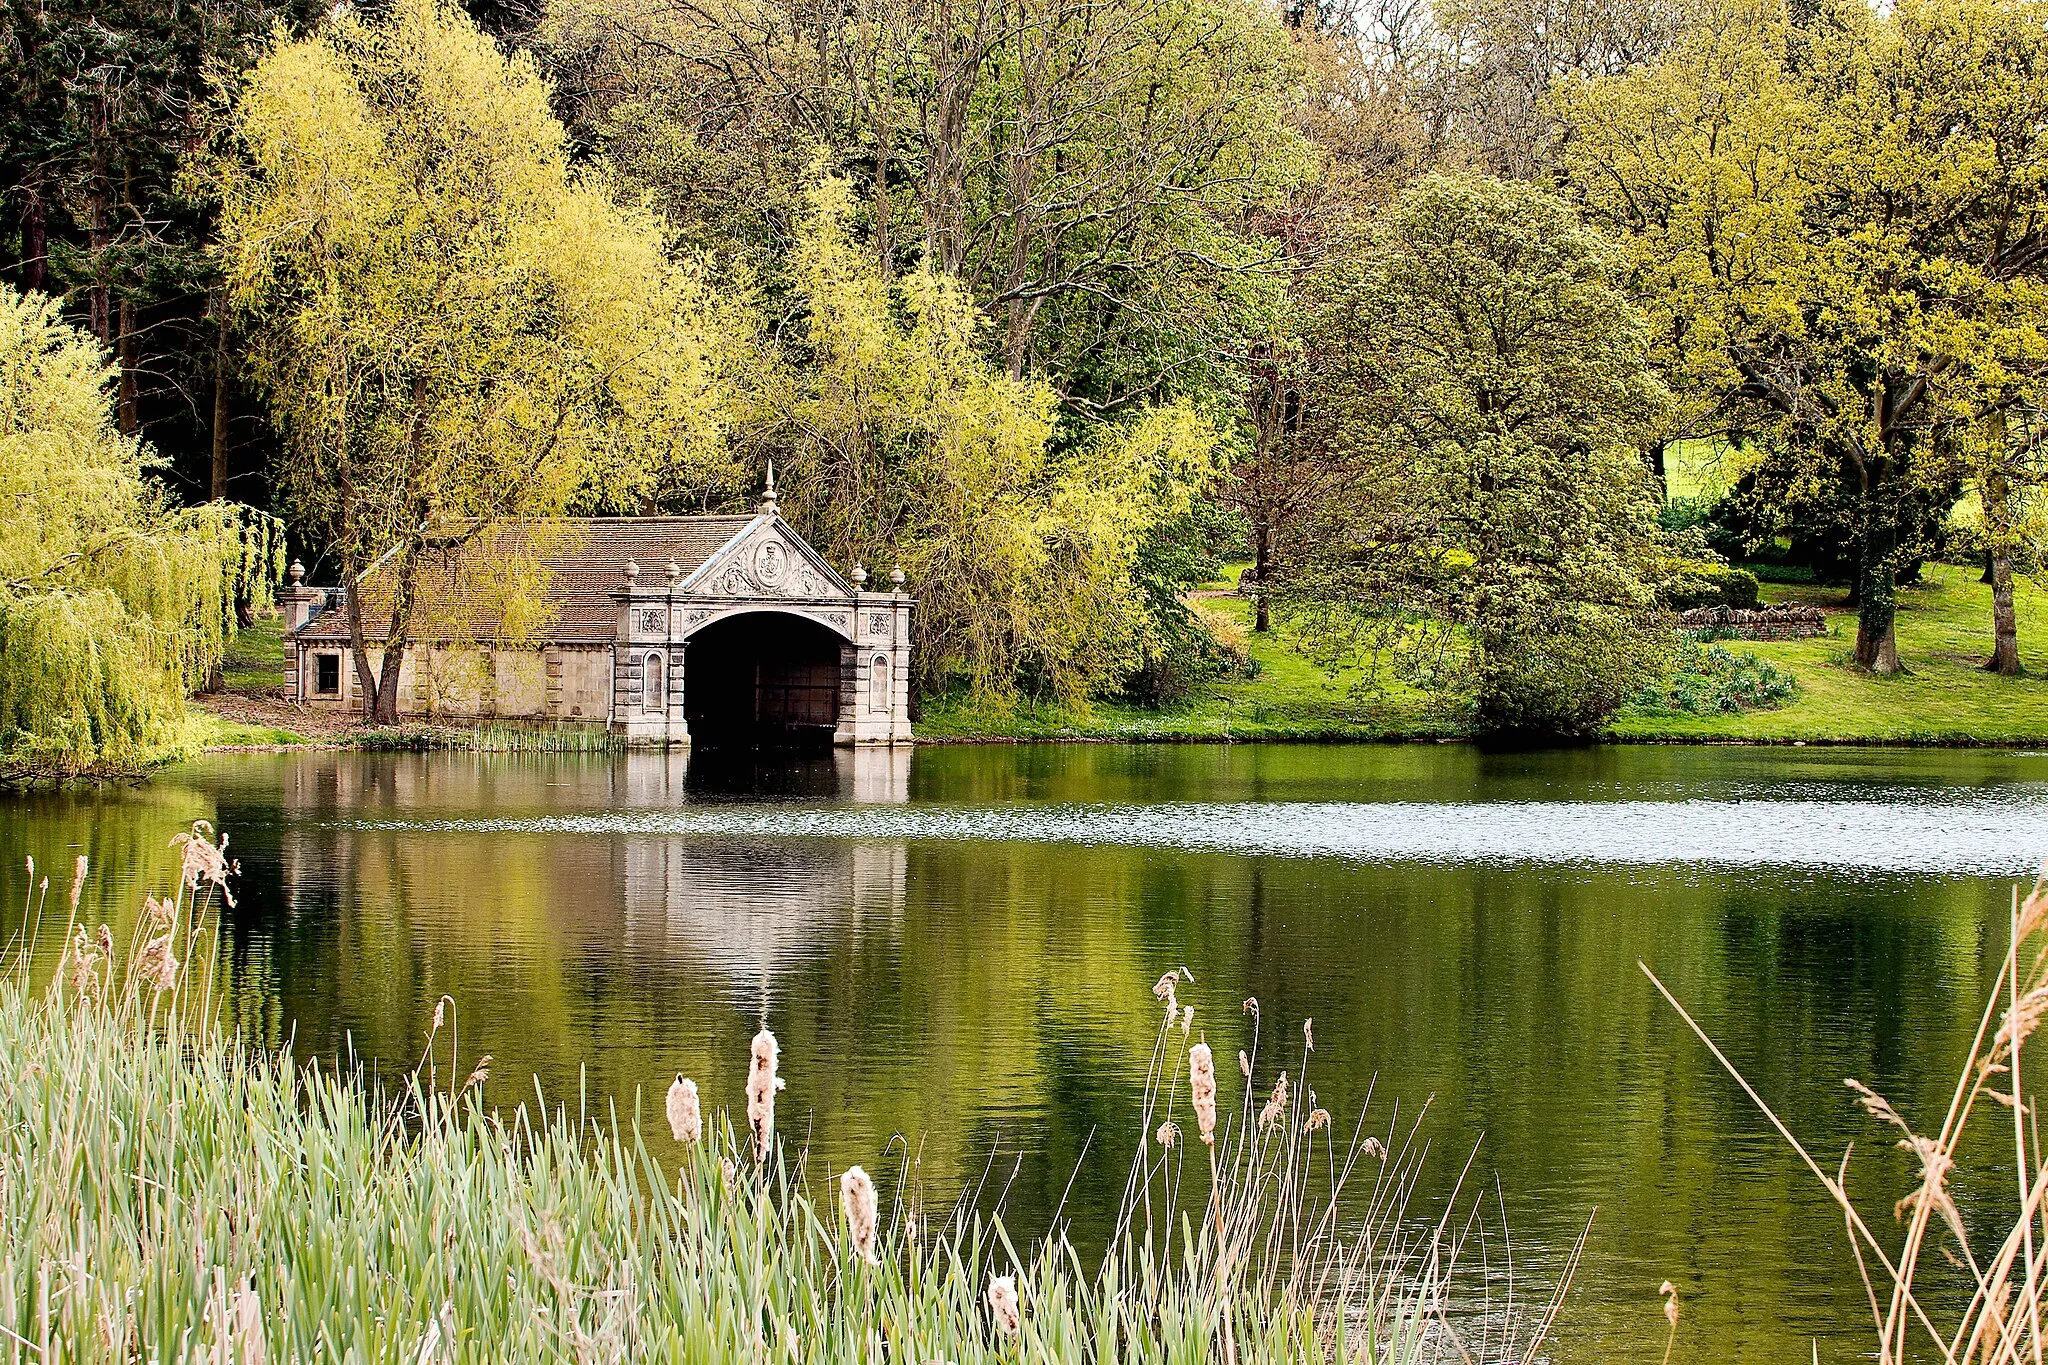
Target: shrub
1711,680
1700,583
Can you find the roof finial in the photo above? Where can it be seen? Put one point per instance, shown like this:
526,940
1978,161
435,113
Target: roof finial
768,498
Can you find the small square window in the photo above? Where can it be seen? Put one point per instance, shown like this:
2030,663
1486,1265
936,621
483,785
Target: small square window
326,675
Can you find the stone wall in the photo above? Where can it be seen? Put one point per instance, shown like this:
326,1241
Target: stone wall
1785,622
567,683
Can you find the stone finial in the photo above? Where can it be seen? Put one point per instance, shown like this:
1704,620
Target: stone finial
860,578
297,572
674,571
768,494
896,578
632,571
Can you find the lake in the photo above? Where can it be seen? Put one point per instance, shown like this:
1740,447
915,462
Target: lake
957,947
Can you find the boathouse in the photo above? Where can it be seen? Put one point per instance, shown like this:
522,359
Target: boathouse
672,631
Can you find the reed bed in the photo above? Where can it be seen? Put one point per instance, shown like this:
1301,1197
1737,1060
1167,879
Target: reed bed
1961,1290
487,737
171,1194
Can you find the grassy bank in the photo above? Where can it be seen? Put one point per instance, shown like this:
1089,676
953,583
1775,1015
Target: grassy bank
1943,697
169,1194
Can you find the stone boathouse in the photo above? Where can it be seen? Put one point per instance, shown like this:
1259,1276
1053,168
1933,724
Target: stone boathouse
673,631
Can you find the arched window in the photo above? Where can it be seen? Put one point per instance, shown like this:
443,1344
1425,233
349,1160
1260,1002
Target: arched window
878,683
653,690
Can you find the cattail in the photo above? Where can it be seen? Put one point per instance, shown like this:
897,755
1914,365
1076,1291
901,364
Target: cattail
1317,1118
1165,991
685,1118
1168,1134
1244,1064
85,966
762,1083
1187,1020
1202,1085
1003,1306
159,966
1308,1033
78,880
1670,1293
479,1073
857,1197
1276,1106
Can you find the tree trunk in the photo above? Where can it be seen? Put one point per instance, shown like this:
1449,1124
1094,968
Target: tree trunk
1262,566
387,683
1996,493
35,238
2005,626
124,350
1877,646
218,485
358,647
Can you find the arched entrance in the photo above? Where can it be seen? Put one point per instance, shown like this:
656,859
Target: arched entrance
762,679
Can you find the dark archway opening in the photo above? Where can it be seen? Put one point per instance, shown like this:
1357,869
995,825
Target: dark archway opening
761,680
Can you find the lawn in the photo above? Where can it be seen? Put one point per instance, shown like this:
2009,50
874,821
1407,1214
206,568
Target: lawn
1944,630
1289,698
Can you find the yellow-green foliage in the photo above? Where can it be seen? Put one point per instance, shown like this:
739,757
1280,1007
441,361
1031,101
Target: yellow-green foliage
113,603
908,446
449,324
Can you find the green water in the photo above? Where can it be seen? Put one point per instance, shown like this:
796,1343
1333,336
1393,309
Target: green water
957,948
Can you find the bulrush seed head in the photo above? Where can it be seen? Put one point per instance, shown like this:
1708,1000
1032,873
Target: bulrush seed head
762,1083
1168,1133
1276,1108
1003,1308
1165,991
1202,1086
685,1117
857,1197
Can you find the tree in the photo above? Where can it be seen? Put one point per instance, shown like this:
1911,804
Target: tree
1090,173
905,444
1488,399
450,327
1837,228
101,103
2006,459
113,602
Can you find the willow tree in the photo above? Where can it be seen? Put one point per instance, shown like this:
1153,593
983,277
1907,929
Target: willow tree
113,601
906,443
449,324
1839,225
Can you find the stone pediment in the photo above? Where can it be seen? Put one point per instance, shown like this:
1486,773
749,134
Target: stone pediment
768,560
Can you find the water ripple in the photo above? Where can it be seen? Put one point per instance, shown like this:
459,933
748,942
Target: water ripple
1981,835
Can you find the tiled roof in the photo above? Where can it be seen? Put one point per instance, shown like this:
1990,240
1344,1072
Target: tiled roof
583,559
